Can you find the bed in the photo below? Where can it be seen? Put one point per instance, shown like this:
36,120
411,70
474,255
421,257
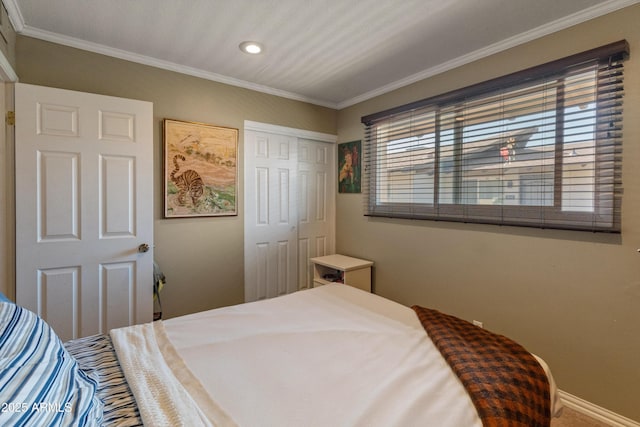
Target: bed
329,356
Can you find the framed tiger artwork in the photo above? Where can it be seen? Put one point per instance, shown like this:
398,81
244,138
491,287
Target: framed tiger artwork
200,169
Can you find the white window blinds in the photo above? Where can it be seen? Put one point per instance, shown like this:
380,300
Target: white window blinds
541,147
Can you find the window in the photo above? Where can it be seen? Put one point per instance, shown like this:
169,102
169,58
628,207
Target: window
540,147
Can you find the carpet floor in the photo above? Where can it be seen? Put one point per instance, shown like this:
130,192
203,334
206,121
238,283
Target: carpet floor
571,418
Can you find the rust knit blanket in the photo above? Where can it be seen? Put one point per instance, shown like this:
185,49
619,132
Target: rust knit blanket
506,383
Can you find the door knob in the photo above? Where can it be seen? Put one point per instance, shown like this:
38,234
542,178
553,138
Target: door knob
143,248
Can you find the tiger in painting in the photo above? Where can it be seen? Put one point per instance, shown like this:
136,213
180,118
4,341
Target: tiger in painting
188,182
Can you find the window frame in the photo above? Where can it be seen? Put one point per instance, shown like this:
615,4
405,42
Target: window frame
553,216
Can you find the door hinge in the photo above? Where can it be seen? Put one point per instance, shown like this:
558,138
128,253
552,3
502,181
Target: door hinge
11,118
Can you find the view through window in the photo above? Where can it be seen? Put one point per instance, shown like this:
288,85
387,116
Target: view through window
540,153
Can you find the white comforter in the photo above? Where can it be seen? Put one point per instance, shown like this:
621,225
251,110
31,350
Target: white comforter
166,392
330,356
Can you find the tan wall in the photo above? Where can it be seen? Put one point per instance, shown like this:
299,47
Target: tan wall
203,257
7,37
571,297
8,51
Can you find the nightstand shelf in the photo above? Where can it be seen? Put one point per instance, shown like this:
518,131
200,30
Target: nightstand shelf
342,269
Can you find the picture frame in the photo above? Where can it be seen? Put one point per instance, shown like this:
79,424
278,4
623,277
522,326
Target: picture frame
200,169
349,167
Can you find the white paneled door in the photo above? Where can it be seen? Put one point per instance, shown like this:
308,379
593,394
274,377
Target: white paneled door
316,205
271,217
289,209
84,209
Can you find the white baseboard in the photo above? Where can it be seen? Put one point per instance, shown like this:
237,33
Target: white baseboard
595,411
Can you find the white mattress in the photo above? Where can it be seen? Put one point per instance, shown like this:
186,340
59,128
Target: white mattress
330,356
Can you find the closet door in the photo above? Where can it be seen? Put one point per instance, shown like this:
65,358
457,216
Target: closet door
316,205
289,185
271,215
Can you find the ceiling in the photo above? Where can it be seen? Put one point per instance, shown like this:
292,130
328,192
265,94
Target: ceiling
333,53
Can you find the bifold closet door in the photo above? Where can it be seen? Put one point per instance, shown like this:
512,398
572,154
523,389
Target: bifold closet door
271,215
290,186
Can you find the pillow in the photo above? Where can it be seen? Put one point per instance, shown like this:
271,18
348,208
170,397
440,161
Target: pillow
41,382
3,298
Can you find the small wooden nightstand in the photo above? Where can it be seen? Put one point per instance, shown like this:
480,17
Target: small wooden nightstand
342,269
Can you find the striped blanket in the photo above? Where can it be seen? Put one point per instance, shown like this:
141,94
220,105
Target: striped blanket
505,382
95,355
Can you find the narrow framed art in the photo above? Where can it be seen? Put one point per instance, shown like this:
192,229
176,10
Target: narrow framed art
349,167
200,169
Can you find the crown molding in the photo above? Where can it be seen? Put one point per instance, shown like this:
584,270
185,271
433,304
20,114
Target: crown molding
544,30
7,73
17,20
15,15
165,65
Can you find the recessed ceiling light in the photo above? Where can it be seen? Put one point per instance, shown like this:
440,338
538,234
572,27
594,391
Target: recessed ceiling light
252,48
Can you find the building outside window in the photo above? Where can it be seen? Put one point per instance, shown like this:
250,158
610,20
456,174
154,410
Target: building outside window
540,153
